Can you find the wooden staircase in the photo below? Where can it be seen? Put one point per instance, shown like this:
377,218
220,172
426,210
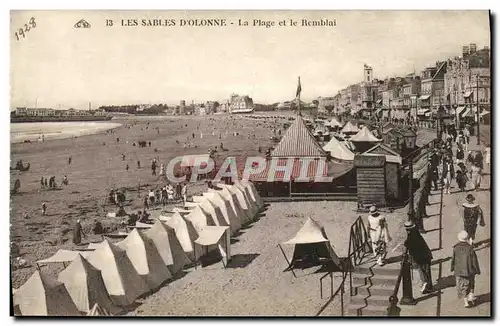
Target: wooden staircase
372,287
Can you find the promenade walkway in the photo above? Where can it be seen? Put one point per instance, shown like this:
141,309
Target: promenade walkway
445,302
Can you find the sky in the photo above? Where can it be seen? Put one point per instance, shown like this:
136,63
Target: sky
57,65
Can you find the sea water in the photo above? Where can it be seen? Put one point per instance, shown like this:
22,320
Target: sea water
33,131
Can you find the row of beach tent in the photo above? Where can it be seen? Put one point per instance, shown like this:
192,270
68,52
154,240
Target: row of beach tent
107,277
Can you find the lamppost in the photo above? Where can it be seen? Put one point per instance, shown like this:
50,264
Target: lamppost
410,138
477,108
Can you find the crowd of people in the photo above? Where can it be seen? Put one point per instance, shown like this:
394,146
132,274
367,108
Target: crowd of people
465,166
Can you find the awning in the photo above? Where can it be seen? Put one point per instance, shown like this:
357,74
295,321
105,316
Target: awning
428,114
425,97
64,256
379,101
468,94
459,110
210,235
484,113
422,111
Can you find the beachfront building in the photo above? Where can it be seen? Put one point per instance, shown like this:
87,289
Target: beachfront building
240,104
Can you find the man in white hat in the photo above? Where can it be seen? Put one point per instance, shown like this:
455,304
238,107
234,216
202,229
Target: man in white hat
465,266
379,234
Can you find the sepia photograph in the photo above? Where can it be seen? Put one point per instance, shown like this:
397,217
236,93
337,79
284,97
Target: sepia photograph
250,163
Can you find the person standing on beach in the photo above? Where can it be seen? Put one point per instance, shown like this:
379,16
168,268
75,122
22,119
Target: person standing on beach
41,183
77,233
420,256
69,160
472,214
44,208
465,266
146,202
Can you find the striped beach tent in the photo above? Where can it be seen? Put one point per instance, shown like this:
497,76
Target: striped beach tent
298,141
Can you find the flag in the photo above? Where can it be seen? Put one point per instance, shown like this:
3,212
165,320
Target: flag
299,89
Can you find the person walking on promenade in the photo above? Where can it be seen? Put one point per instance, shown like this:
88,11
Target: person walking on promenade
467,137
420,256
487,157
460,155
472,214
465,266
461,177
146,202
448,174
77,233
476,161
184,193
379,234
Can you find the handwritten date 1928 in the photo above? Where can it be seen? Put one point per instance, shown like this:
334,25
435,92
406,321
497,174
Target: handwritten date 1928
21,32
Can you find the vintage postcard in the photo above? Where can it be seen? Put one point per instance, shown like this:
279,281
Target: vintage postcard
250,163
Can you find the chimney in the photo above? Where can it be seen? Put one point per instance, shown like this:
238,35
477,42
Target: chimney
465,51
472,48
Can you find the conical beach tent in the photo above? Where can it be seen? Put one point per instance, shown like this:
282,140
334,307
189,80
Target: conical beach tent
168,246
97,310
234,203
122,281
43,295
349,128
225,207
146,259
254,194
312,247
86,286
338,150
364,135
249,208
334,123
199,218
214,211
184,232
249,196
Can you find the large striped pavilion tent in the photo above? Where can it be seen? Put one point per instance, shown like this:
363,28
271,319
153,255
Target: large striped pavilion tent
298,143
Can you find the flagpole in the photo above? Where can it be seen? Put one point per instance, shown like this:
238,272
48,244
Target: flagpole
298,97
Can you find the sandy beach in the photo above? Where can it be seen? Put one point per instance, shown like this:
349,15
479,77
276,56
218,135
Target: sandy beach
256,284
97,166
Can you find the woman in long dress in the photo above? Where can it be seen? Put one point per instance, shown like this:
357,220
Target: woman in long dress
472,215
487,156
379,234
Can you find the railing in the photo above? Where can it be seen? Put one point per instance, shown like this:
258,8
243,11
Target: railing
393,299
358,242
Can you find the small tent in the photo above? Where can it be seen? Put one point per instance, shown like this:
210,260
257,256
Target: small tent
254,194
168,246
64,256
97,310
214,211
215,238
338,150
122,281
364,135
225,207
184,232
199,218
249,196
43,295
349,128
312,247
250,209
334,123
234,203
86,286
146,259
